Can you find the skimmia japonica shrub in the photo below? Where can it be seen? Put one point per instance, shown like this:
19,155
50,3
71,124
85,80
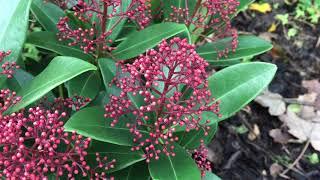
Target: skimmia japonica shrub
124,89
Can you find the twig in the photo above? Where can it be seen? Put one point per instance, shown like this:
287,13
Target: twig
233,158
298,159
318,42
296,101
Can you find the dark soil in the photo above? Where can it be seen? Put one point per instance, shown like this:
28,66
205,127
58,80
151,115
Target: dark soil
237,157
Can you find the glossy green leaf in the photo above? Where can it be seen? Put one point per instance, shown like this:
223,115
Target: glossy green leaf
116,23
138,42
191,140
108,71
248,46
101,99
47,13
237,85
137,171
14,16
178,167
85,85
90,122
23,79
60,70
244,4
211,176
49,41
167,10
123,155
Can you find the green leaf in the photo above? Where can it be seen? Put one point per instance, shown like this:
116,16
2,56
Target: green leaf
138,42
248,46
237,85
138,171
85,85
23,79
191,140
60,70
167,10
108,71
90,122
14,16
123,155
211,176
47,13
49,41
244,4
178,167
116,23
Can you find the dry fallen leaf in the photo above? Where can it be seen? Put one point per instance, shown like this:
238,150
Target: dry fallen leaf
303,129
313,86
262,8
279,136
254,133
308,112
272,28
275,169
273,101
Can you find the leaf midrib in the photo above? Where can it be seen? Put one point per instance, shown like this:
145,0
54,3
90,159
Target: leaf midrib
85,84
242,84
105,127
54,44
54,81
174,172
142,42
39,9
205,53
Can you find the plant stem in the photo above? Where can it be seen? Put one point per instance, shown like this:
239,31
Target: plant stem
61,91
196,9
298,158
103,26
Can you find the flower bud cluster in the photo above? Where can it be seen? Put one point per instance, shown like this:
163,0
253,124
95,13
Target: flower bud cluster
33,144
61,3
8,68
94,14
172,83
212,16
200,156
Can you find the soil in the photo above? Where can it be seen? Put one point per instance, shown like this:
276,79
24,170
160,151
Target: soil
234,155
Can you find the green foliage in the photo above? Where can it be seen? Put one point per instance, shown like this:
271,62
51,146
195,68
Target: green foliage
237,85
91,75
211,176
48,40
308,10
122,154
137,43
13,26
248,46
179,167
60,70
90,122
47,14
85,85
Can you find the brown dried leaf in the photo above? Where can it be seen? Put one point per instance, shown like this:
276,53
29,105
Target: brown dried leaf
313,86
273,101
303,129
275,169
278,136
254,133
308,112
